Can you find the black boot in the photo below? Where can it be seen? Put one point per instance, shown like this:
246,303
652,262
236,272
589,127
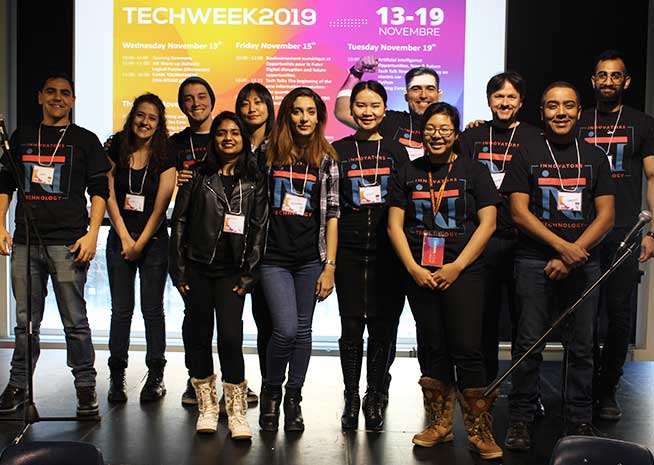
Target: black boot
351,356
377,361
117,392
293,420
154,387
269,400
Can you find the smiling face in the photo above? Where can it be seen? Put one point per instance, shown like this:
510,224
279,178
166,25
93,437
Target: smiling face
505,103
368,110
560,111
304,118
610,81
228,140
421,92
145,121
56,99
439,136
196,103
253,110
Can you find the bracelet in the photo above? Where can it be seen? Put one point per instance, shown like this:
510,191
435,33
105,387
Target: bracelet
650,234
331,262
356,73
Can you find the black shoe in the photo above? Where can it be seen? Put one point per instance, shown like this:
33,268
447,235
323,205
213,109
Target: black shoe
581,429
351,407
117,393
387,385
269,401
87,401
377,364
252,398
154,387
517,436
608,407
373,410
293,420
188,396
351,355
11,398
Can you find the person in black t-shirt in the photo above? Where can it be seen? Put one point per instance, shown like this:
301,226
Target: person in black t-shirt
218,236
141,184
561,196
494,143
367,278
61,162
626,136
442,214
401,126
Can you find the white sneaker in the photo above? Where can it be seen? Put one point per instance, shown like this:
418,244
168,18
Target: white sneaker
205,391
237,406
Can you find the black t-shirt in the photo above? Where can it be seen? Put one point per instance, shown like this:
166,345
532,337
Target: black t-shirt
469,188
534,172
403,127
79,165
362,224
224,263
189,148
475,143
293,239
135,221
632,141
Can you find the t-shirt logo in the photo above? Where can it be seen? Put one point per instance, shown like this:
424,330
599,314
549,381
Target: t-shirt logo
494,160
59,189
446,217
282,185
365,177
622,137
550,187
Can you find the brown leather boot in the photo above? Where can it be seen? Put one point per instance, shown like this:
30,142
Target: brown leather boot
439,399
479,422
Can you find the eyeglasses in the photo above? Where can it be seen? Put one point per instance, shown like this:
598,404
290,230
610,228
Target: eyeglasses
444,131
603,76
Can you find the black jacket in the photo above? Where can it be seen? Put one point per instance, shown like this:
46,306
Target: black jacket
197,224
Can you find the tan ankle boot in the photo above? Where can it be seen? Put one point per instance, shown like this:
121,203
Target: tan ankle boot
479,422
205,392
237,406
439,400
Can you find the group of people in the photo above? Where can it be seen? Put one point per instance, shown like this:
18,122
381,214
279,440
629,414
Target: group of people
460,223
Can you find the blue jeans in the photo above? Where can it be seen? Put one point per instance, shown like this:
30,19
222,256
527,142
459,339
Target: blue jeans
152,267
539,301
290,293
68,284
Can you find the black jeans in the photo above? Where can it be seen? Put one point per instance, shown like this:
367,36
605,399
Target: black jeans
263,320
208,297
450,322
616,298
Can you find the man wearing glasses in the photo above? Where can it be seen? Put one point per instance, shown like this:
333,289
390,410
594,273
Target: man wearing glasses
626,136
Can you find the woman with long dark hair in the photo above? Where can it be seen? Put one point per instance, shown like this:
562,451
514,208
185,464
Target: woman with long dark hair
218,236
300,259
141,183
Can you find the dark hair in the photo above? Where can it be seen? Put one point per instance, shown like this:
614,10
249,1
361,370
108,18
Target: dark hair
58,75
419,71
443,108
497,82
159,143
283,149
565,85
612,54
245,165
264,94
194,80
374,86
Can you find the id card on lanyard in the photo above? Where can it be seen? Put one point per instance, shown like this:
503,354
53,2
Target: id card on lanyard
433,246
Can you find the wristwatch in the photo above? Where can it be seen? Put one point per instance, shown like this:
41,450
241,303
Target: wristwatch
331,262
650,234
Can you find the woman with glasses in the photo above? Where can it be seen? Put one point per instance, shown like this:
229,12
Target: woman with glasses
368,275
442,214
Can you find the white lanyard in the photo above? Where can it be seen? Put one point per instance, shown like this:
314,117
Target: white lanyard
56,147
129,179
506,153
240,197
363,181
304,185
190,138
559,171
608,148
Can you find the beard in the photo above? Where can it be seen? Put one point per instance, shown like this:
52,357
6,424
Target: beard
609,99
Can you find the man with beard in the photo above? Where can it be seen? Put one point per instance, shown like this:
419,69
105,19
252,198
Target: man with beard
626,136
494,143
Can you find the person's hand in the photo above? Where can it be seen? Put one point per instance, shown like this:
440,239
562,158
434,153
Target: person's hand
183,289
556,269
475,123
572,254
446,275
84,248
5,241
132,253
241,291
423,277
184,176
366,64
107,143
325,283
646,249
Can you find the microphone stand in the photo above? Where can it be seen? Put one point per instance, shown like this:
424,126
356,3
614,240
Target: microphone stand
569,311
30,413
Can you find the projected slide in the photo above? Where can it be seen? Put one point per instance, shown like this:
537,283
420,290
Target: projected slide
153,46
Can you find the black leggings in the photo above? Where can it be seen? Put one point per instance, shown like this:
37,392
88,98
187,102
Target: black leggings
263,320
208,297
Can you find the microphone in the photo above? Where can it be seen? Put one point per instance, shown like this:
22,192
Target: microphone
4,137
643,218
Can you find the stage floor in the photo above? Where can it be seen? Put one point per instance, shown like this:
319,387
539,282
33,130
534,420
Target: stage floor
163,433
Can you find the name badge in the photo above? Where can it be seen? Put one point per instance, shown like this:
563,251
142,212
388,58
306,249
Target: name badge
497,179
569,202
43,175
433,250
414,152
134,202
370,194
234,224
294,204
